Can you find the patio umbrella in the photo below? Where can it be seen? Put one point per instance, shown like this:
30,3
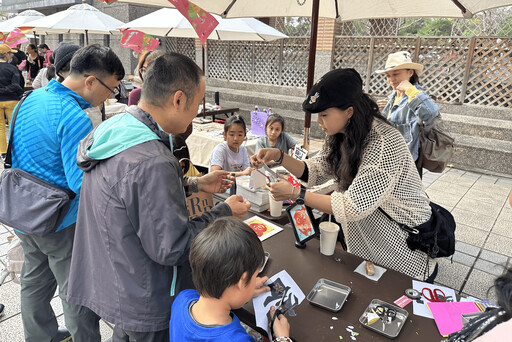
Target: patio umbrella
82,18
20,20
169,22
344,9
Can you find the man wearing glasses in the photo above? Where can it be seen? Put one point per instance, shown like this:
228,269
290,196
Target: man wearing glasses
50,124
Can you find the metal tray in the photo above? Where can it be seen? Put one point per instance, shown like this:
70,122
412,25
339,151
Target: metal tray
388,325
328,295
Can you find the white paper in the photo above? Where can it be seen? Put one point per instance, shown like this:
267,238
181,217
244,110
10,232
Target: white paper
422,309
379,271
258,179
262,303
264,231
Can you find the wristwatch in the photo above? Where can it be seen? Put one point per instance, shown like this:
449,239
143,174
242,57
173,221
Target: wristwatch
302,194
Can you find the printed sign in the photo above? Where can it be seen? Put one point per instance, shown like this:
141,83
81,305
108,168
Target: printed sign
262,228
198,203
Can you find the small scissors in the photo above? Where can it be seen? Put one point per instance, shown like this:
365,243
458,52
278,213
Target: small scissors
436,295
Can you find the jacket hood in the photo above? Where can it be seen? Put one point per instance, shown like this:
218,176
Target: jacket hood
111,137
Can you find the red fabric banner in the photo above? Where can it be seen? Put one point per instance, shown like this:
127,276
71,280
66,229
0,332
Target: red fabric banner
203,22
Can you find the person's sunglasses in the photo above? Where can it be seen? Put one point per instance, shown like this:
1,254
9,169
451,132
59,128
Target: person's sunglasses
112,91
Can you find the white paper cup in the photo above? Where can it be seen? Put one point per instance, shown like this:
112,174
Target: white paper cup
275,206
328,236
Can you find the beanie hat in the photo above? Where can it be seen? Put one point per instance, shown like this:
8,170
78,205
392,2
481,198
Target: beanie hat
63,54
339,88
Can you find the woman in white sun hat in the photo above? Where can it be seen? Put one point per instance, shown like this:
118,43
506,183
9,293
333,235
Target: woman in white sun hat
408,103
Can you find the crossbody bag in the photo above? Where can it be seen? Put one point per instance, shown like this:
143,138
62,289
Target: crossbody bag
28,203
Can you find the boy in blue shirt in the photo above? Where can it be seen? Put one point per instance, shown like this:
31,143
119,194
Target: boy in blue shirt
225,259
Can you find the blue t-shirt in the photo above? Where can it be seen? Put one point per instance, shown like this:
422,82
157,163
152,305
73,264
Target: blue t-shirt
183,327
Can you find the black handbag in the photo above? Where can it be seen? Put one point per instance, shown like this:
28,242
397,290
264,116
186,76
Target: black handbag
28,203
436,237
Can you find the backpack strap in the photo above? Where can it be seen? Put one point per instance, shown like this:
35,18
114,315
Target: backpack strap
8,158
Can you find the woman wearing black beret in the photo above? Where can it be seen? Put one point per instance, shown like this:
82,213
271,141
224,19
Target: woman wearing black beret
371,167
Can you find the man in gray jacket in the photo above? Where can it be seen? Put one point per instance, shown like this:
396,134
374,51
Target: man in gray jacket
133,232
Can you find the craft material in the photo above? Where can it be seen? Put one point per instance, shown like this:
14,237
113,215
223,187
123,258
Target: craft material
413,294
263,228
379,271
402,301
448,315
279,283
370,268
420,307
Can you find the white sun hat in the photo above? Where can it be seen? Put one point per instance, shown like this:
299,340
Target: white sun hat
400,60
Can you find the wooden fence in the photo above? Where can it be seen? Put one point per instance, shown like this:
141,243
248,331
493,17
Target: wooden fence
474,70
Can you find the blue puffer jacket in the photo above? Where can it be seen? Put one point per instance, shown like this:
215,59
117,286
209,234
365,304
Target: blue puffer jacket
405,115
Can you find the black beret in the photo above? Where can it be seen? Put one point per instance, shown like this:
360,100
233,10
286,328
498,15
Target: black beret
339,88
63,54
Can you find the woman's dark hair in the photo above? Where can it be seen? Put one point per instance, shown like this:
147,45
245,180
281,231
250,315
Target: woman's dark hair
44,46
222,253
273,118
414,78
50,69
345,150
235,120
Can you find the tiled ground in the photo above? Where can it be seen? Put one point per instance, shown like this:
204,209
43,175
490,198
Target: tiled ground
478,202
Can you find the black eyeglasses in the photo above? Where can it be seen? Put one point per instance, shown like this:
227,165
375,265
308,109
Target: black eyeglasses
112,91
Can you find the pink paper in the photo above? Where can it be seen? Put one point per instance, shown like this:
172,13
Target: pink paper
203,22
138,41
448,315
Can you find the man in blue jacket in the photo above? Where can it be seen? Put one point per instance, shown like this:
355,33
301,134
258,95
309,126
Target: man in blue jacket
49,126
133,231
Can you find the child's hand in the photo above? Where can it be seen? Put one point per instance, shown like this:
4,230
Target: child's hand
281,325
248,171
260,287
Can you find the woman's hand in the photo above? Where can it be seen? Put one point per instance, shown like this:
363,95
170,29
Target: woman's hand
281,190
215,182
260,286
265,155
281,325
402,87
382,104
248,171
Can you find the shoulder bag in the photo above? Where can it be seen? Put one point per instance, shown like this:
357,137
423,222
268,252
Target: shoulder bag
28,203
436,146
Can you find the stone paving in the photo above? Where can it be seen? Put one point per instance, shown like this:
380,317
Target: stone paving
478,202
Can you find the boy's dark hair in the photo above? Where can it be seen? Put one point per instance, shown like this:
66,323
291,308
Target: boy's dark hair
168,74
44,46
235,120
273,118
222,253
96,60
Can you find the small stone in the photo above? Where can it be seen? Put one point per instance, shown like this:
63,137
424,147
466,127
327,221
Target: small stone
351,327
341,337
337,259
331,327
349,330
353,338
335,318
